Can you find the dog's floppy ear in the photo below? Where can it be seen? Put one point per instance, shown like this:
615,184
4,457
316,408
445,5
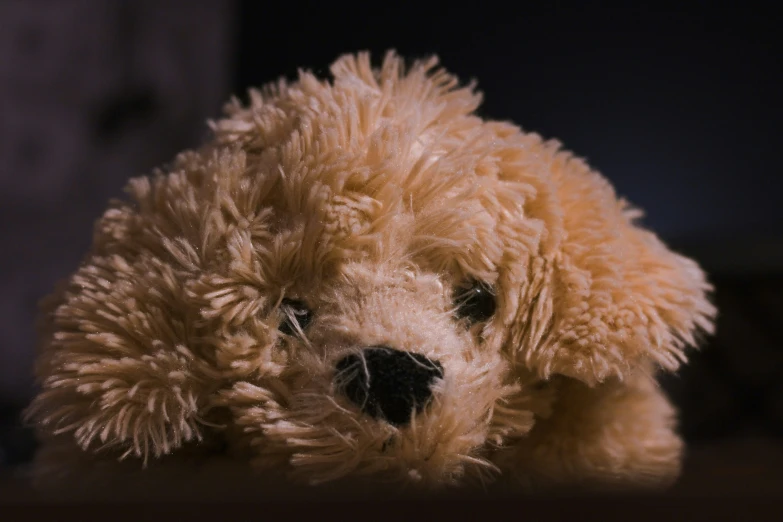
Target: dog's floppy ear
611,295
120,367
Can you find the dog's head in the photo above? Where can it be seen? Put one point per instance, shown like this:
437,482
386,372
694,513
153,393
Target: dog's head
358,276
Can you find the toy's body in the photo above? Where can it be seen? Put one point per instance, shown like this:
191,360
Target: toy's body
364,278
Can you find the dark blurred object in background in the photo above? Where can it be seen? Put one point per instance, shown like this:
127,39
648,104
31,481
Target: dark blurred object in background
679,108
91,93
17,444
733,387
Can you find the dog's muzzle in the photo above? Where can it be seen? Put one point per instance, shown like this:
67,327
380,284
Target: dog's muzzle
388,384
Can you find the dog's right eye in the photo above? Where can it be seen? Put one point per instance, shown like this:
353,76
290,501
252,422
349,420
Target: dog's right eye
296,316
476,302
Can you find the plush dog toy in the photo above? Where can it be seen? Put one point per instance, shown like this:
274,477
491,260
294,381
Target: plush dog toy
361,277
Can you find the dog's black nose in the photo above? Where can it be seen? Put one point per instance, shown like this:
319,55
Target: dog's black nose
387,383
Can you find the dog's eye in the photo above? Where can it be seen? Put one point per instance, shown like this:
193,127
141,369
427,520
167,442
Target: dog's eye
296,316
476,302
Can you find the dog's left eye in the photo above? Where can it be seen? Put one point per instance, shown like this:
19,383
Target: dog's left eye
476,302
296,316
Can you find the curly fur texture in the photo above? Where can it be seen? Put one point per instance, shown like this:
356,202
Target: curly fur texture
372,197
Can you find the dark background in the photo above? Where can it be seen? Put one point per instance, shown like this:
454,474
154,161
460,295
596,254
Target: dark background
678,106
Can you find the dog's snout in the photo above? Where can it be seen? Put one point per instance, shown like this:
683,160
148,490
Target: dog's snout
387,383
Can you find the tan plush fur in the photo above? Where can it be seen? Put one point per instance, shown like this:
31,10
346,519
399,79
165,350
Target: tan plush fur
372,198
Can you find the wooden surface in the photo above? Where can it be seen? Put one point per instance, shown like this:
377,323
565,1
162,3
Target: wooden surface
743,468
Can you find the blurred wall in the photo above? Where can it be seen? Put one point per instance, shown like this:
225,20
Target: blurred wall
92,92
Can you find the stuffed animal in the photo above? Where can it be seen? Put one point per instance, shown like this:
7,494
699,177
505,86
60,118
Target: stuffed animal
359,277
